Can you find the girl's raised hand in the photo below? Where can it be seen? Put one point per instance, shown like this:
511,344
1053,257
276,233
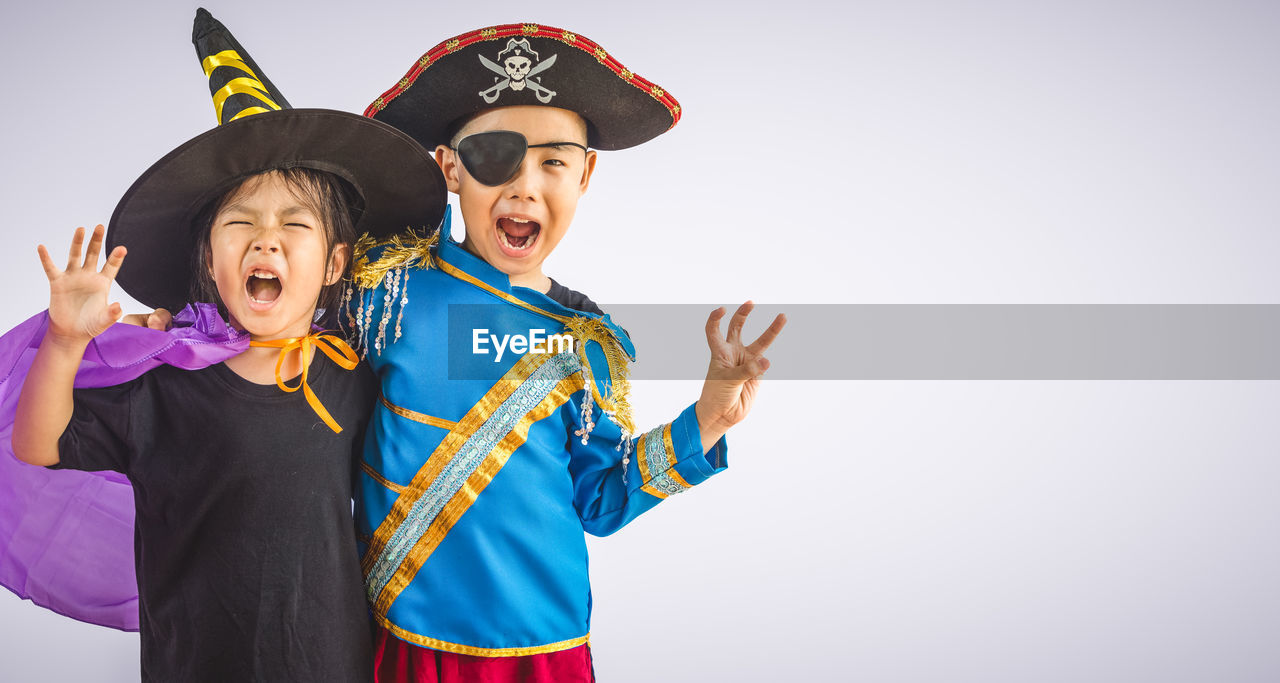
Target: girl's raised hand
78,308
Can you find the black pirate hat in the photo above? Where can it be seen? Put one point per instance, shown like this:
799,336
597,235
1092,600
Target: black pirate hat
397,180
519,64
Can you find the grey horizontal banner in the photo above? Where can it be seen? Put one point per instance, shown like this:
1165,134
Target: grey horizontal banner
979,341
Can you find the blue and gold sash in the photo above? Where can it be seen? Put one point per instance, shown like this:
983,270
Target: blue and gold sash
460,468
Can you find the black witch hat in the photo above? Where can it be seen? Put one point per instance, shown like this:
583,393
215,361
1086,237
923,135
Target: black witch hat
239,88
526,64
397,180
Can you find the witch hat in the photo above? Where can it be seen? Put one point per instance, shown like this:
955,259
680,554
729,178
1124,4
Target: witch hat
239,88
398,184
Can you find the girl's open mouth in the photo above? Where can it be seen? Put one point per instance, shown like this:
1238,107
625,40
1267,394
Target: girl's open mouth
263,287
517,235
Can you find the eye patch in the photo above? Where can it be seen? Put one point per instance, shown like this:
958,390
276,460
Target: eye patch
493,157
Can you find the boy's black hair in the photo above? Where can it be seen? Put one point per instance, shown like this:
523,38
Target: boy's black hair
330,198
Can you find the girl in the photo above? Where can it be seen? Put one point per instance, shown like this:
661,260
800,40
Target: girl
245,549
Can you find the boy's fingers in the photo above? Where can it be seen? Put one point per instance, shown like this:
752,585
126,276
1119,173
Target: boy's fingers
766,338
739,374
76,242
50,270
754,367
159,319
95,248
113,262
762,366
114,311
713,327
737,321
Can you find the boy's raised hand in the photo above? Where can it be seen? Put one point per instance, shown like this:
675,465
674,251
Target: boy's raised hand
78,308
733,376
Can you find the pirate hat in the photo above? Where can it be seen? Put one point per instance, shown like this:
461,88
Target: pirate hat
397,181
518,64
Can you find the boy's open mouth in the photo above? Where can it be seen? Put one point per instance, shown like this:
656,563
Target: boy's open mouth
263,287
517,235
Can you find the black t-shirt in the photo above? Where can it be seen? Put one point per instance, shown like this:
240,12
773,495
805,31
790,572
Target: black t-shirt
571,299
245,547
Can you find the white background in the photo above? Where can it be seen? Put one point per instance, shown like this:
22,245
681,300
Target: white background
894,152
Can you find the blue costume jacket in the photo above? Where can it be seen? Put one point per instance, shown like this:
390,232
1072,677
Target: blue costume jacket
480,474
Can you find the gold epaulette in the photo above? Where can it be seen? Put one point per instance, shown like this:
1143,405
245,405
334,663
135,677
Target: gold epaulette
400,253
402,250
617,403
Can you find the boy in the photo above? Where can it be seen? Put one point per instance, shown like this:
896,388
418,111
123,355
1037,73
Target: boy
476,487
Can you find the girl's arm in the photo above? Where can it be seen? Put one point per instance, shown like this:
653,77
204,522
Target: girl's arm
78,312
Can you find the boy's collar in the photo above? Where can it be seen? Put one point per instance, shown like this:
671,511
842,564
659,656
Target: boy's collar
454,254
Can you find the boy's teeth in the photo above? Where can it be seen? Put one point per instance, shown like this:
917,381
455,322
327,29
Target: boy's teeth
518,233
526,241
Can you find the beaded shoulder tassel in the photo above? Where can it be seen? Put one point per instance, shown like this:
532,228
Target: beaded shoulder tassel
615,404
399,255
587,407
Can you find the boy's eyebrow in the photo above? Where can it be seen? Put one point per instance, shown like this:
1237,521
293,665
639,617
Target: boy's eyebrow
560,145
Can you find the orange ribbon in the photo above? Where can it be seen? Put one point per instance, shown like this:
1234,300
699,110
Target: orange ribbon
334,347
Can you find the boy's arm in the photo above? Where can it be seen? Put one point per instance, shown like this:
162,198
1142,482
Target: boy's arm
78,312
676,456
659,463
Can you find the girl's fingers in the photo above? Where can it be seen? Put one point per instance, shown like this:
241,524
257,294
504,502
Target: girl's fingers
95,247
50,270
113,262
74,257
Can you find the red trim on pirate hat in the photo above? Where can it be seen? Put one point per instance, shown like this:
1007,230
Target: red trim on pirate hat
526,64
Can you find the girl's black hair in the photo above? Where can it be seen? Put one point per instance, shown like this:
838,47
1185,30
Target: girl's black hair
330,198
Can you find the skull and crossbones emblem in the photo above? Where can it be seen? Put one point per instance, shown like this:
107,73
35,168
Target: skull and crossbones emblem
517,70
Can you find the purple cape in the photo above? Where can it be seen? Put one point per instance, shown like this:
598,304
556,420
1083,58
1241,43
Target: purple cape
66,537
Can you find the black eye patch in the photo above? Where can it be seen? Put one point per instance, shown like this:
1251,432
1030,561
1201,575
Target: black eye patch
493,157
